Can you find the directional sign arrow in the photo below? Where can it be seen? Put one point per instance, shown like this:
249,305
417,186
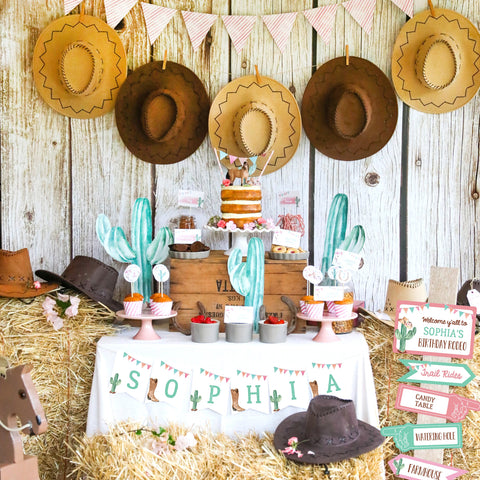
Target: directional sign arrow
441,373
413,468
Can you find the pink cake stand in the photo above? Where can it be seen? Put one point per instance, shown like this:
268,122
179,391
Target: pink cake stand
146,331
326,333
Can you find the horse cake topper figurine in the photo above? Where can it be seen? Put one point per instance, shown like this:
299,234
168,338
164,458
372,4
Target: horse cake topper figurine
18,400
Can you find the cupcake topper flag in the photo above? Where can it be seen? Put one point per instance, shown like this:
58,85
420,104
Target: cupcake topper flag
131,274
161,274
312,275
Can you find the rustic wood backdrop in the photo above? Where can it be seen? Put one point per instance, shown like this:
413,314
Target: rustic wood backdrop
417,198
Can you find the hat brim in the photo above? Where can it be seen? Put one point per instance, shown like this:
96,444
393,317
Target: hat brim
279,99
53,277
15,291
369,438
190,90
411,36
48,50
383,103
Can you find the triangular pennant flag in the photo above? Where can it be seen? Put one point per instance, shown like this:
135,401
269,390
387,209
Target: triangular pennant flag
322,20
125,354
117,9
202,370
156,19
175,370
252,169
198,25
405,5
239,28
232,159
362,11
280,26
222,155
69,5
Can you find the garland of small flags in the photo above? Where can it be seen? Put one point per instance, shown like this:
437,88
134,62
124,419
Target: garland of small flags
239,27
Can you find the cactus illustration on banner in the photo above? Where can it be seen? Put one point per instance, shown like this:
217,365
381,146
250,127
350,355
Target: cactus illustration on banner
398,465
275,398
142,251
247,278
115,381
404,333
195,399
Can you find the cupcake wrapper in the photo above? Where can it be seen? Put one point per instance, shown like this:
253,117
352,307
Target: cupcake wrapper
344,311
161,308
133,308
303,307
331,306
314,310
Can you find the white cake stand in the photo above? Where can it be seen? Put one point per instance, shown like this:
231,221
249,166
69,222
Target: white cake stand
240,237
146,331
326,333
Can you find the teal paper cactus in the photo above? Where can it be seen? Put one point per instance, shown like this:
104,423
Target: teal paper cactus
195,399
143,251
275,398
403,334
247,278
115,382
398,465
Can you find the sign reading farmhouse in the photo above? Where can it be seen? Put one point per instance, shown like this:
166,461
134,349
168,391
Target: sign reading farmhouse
434,329
414,468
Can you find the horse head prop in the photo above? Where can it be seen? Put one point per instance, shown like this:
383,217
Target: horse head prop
18,402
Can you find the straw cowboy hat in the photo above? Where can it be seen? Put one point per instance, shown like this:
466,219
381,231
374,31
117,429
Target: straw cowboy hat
16,276
161,113
89,276
328,431
79,65
436,61
349,111
254,116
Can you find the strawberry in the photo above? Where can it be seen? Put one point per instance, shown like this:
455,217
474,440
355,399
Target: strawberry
274,320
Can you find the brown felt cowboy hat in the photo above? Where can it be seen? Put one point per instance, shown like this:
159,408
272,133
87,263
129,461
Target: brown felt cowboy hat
349,111
328,431
436,61
254,116
161,113
79,65
89,276
16,276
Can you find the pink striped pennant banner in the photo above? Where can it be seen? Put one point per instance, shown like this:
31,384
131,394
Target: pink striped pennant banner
280,26
69,5
117,9
198,25
322,20
362,11
405,5
156,19
239,28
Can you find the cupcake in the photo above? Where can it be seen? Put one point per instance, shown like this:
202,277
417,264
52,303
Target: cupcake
303,302
344,308
133,304
313,308
160,304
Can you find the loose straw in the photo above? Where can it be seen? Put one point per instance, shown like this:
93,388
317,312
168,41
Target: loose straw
265,166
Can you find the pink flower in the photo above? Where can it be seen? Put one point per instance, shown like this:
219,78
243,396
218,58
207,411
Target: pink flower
231,226
269,224
48,305
261,221
293,441
300,455
221,224
250,227
63,297
185,441
71,311
36,285
55,320
74,301
288,450
226,182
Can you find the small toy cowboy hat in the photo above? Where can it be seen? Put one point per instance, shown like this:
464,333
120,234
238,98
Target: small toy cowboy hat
436,61
16,276
328,431
79,65
349,111
162,114
251,117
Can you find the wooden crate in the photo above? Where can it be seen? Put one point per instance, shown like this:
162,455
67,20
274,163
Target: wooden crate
206,280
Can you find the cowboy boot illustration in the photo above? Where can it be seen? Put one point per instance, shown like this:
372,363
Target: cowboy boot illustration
314,388
235,405
151,390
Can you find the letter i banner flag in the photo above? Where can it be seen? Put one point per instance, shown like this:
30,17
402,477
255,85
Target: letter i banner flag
209,390
130,375
413,468
288,388
253,392
170,384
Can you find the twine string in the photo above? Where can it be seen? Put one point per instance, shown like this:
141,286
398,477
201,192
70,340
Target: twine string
15,429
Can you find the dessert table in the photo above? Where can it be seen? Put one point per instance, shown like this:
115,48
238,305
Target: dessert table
227,387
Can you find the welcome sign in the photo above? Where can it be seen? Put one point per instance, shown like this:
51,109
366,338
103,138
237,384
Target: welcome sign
434,329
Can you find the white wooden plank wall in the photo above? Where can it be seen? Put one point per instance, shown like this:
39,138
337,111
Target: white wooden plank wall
417,198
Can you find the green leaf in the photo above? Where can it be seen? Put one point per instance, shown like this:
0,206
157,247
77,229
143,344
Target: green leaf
138,432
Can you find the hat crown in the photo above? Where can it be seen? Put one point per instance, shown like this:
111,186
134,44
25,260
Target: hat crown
81,68
15,268
331,421
408,291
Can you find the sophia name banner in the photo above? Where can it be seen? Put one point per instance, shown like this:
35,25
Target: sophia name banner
425,436
411,468
169,384
288,388
451,406
434,329
440,373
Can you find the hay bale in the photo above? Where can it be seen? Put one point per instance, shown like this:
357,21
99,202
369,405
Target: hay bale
63,363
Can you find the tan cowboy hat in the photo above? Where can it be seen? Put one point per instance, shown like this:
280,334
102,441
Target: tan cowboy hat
79,65
349,111
161,113
16,276
408,291
436,61
253,117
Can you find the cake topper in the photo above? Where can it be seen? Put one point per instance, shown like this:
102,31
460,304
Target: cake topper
161,274
131,274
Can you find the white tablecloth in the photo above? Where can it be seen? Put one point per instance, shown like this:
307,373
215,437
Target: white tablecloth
342,367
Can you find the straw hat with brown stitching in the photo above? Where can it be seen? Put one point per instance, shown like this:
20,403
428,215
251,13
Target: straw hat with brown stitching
79,65
436,61
349,111
162,113
251,117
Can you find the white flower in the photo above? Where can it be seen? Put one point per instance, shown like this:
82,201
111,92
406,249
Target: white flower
63,297
71,311
48,305
231,226
55,320
74,301
185,441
